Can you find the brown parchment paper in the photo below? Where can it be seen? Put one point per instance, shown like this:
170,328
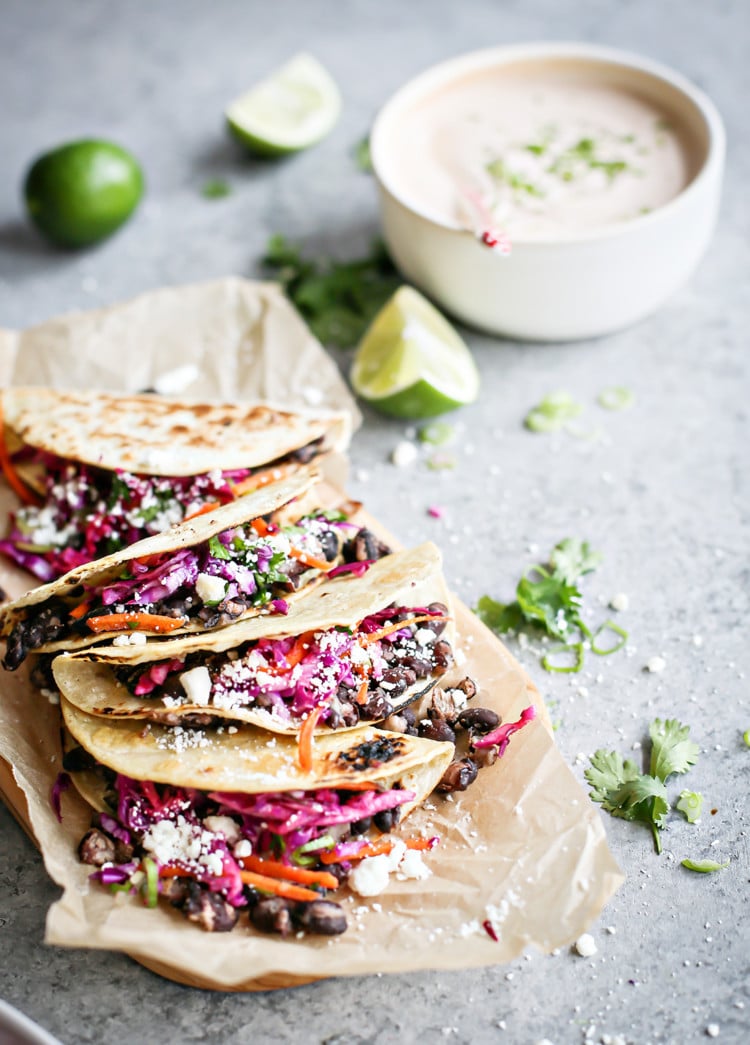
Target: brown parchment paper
524,847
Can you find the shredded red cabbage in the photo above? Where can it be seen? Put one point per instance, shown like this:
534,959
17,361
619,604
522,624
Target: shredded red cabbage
359,569
501,736
61,784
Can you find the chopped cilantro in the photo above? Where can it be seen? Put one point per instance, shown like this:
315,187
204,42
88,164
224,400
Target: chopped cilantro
217,549
704,866
549,599
362,156
337,299
625,792
691,804
536,150
216,189
119,491
500,172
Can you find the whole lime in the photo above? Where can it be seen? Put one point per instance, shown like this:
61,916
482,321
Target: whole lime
81,192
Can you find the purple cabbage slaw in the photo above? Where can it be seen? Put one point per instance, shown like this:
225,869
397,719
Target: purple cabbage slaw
104,510
276,823
293,692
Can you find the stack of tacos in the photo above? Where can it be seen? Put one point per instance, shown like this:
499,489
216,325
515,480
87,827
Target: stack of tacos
252,702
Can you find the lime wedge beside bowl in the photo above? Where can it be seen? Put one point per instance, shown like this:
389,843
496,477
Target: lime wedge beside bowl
411,363
293,108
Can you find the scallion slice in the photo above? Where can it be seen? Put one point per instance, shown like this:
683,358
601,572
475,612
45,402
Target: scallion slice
704,866
608,625
150,888
615,398
574,649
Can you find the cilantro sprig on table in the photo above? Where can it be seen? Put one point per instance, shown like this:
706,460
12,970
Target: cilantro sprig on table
337,299
549,601
624,791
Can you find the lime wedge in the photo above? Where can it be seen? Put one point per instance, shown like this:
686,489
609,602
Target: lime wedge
411,362
294,108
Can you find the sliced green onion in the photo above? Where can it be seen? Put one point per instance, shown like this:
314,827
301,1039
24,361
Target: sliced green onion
608,625
441,462
278,844
691,804
704,866
615,398
301,855
552,413
575,648
746,737
437,433
121,887
215,189
150,888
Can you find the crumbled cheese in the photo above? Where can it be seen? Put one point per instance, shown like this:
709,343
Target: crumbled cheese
223,825
209,588
243,848
713,1030
413,866
586,945
370,876
619,602
214,863
133,638
197,685
169,840
424,636
656,665
404,454
121,640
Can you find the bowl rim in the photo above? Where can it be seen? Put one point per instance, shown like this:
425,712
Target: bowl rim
440,74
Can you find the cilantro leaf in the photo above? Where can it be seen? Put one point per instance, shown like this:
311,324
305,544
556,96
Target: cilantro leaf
550,600
217,549
672,752
362,156
337,299
626,793
691,804
704,866
499,617
572,558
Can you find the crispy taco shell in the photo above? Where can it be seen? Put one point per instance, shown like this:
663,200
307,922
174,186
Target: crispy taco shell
250,761
409,578
153,435
275,497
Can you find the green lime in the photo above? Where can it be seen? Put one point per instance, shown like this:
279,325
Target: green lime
411,362
293,108
81,192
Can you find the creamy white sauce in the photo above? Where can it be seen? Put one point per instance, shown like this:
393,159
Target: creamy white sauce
537,154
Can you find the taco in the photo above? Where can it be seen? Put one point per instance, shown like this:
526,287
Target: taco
344,655
97,472
216,822
213,569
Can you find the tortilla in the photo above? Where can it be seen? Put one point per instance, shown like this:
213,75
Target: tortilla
153,435
198,530
249,761
409,578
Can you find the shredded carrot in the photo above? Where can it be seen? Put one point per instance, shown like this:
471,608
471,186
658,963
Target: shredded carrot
80,610
260,479
305,743
377,849
210,506
310,560
134,622
375,636
13,479
362,694
273,885
276,869
173,872
260,526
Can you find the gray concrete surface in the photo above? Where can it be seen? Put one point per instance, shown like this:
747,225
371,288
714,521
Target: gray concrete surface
663,493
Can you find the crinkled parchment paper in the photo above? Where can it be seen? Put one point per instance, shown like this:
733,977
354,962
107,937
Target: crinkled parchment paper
524,847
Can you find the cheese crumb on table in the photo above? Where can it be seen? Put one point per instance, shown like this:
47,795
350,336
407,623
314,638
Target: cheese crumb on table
586,945
656,665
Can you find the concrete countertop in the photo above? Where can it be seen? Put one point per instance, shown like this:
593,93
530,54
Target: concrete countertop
662,492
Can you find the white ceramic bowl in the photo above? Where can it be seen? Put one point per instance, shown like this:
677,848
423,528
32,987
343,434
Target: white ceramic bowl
567,287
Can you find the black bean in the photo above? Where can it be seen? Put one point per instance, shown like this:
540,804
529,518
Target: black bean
468,687
437,627
78,760
387,818
305,454
378,706
329,543
364,545
482,720
443,657
436,729
408,714
174,890
321,916
209,910
179,606
359,827
458,775
273,914
96,848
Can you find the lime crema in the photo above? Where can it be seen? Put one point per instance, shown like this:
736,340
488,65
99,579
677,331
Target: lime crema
549,153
